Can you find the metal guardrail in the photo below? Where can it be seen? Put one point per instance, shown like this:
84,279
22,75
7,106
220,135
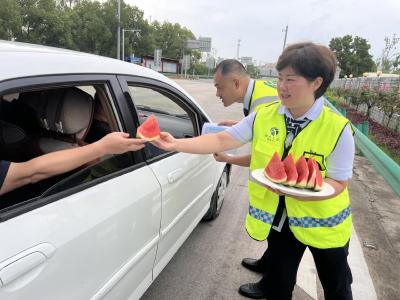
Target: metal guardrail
382,163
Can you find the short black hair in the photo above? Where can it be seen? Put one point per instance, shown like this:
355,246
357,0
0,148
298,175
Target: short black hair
310,61
231,66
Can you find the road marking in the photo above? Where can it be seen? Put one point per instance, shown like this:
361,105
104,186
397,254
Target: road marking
307,275
362,287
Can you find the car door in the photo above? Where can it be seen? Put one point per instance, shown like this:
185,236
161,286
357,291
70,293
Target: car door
93,234
187,180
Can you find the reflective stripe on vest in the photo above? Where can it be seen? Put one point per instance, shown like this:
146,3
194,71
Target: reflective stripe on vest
257,104
261,215
321,224
308,222
262,94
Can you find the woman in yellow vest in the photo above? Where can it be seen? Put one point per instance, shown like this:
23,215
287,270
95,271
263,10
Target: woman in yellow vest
301,125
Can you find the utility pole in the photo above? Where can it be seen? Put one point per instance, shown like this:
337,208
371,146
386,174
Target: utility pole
137,31
238,47
119,31
284,41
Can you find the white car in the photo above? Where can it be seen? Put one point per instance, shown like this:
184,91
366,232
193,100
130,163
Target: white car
105,230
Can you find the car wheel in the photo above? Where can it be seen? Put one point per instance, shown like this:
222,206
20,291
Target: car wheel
218,197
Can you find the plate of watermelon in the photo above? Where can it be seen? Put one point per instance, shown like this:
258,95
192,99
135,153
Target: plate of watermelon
149,129
300,178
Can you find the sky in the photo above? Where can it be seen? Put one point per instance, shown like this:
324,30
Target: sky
260,24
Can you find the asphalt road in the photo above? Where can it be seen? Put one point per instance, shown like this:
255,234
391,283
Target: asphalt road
207,266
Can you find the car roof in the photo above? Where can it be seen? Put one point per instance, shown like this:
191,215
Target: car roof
25,60
19,60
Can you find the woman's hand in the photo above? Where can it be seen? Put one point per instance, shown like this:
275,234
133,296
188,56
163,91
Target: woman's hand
228,123
221,157
166,142
119,142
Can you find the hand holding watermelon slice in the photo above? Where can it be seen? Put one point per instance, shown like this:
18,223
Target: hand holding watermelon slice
149,129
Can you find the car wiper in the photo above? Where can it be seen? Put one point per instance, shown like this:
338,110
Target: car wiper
151,109
159,111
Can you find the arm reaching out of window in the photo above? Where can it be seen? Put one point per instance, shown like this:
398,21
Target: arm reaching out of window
58,162
204,144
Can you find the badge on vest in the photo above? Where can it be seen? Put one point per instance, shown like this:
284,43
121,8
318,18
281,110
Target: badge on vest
272,135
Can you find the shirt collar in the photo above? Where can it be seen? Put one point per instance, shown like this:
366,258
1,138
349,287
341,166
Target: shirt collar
311,114
249,92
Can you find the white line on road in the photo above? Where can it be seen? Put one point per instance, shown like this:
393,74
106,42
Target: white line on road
362,286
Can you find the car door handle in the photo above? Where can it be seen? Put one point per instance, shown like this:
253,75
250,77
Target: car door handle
174,175
23,262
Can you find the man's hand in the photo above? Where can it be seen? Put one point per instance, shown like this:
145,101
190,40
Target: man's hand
119,142
228,123
166,142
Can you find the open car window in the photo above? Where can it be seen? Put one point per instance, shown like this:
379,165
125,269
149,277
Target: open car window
38,121
172,113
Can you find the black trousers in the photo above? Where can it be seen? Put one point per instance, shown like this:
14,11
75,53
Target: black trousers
281,261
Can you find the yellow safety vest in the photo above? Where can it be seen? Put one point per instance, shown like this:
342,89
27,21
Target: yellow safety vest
263,92
321,224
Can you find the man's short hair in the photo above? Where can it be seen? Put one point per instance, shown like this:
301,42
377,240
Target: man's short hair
231,66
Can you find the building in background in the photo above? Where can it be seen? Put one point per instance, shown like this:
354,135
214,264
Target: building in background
168,65
246,60
268,70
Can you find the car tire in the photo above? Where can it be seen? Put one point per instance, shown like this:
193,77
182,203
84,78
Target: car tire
217,199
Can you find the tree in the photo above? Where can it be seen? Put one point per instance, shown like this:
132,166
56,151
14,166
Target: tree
89,29
199,69
352,55
44,23
389,62
253,71
137,43
389,102
171,38
10,19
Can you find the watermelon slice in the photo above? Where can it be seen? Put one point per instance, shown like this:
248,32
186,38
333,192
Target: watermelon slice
275,171
290,169
318,178
302,172
149,129
311,173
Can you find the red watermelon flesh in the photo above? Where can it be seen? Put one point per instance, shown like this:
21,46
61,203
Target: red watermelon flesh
290,169
318,178
302,172
311,173
275,171
149,129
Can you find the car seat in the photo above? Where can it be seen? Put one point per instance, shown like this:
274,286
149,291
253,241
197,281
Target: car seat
65,116
13,140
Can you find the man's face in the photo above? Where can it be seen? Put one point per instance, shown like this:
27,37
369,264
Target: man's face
227,88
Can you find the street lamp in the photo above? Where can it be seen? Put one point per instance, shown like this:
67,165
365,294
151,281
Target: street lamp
123,39
119,30
284,40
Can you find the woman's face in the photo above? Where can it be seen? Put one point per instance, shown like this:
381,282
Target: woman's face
294,90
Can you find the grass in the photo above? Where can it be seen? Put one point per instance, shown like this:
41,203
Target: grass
380,135
392,154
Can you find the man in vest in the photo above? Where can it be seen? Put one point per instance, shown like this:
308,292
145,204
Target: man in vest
298,124
234,85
